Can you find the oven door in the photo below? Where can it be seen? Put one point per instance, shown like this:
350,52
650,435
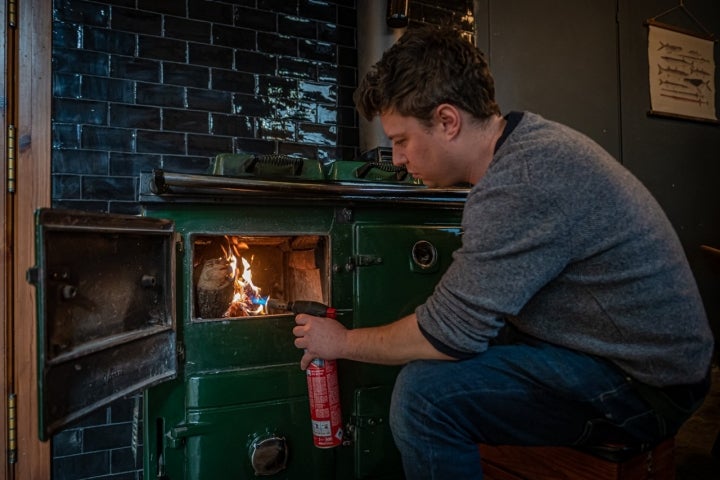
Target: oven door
105,310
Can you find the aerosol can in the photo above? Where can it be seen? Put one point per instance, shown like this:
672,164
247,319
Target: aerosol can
322,381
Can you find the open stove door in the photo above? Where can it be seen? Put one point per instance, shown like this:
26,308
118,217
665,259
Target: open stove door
105,310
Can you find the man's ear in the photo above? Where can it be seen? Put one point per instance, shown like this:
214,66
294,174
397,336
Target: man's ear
449,118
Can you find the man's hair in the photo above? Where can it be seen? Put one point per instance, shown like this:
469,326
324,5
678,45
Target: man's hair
426,67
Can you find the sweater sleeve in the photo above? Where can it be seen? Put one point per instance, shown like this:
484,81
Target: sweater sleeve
515,240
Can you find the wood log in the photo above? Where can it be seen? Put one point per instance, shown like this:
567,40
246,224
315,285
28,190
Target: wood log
214,288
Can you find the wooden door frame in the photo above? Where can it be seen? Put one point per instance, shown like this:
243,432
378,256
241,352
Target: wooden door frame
33,180
4,247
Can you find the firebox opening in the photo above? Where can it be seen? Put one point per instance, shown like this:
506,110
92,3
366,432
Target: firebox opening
233,274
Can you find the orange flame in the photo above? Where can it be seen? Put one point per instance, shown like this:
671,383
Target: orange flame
244,290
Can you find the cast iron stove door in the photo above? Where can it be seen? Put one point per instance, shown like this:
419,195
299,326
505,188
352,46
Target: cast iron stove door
106,310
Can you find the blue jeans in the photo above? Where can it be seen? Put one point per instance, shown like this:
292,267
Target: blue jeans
526,393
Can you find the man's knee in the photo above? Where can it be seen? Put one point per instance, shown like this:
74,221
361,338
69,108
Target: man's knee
412,396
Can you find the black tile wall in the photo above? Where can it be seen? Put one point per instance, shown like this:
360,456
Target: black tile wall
172,84
144,84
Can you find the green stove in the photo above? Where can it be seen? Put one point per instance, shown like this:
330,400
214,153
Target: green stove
164,303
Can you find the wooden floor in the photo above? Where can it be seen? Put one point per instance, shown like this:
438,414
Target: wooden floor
694,442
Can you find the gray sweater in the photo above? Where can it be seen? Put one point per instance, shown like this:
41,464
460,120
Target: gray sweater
563,242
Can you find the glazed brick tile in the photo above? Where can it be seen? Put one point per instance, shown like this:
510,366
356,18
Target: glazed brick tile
297,26
187,29
66,186
110,41
277,44
276,129
123,459
161,142
347,15
130,68
65,136
185,75
114,435
131,20
65,35
255,19
232,125
315,50
318,10
251,105
171,8
186,121
66,85
107,138
68,442
253,62
122,410
298,150
209,100
208,144
88,206
105,188
80,61
187,164
211,11
228,36
162,48
78,111
280,6
87,13
81,466
252,145
108,89
160,95
134,116
327,115
125,208
230,81
80,162
127,164
317,134
317,92
295,67
212,56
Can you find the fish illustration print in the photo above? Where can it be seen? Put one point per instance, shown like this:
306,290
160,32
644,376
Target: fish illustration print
671,70
698,70
669,47
684,99
674,84
697,82
675,60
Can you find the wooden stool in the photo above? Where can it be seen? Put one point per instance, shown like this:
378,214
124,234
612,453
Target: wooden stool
567,463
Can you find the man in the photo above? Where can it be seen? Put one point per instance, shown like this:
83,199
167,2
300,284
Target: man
568,316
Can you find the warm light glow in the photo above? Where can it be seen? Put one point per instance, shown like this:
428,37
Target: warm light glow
244,290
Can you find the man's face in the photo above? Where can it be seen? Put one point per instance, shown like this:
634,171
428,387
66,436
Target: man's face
421,149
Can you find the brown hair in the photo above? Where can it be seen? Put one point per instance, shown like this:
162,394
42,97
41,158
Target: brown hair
426,67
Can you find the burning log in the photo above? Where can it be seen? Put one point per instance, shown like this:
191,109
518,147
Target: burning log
215,288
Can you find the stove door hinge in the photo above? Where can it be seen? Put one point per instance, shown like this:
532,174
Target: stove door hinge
11,429
179,245
12,13
10,139
362,261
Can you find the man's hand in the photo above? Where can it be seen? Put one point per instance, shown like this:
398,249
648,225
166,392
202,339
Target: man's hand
320,337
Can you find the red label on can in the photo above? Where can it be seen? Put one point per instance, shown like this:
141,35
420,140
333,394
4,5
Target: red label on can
324,394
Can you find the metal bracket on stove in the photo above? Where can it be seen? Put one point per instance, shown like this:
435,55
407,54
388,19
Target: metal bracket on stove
362,261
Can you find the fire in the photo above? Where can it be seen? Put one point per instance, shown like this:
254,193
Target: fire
244,291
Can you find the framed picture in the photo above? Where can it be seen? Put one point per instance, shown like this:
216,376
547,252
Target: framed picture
681,74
